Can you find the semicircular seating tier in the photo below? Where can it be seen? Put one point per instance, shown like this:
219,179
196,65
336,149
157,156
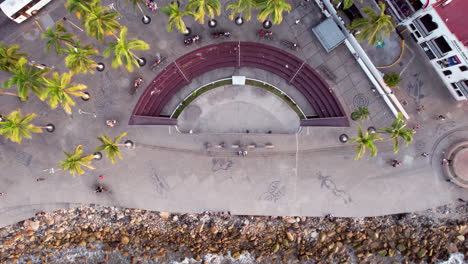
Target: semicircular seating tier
239,54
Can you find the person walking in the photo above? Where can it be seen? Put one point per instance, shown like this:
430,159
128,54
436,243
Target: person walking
441,117
111,123
424,154
451,180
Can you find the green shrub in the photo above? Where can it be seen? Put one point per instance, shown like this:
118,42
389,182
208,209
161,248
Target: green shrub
392,79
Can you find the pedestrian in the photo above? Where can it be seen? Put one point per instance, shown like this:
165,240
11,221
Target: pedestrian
441,117
446,161
99,189
416,126
420,108
451,180
101,177
395,163
424,154
244,153
2,193
40,179
111,123
461,200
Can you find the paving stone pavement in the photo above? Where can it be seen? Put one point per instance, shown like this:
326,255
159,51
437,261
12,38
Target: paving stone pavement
310,173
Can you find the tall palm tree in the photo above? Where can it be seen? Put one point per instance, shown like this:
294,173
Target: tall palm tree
242,7
398,130
15,127
112,147
2,92
75,161
176,17
9,56
272,9
27,78
79,58
100,21
365,140
135,4
79,7
201,8
346,3
59,91
57,38
122,50
374,26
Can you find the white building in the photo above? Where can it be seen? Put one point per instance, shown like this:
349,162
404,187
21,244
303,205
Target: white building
440,27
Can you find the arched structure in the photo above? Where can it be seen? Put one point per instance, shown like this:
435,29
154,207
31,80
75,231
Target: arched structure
239,54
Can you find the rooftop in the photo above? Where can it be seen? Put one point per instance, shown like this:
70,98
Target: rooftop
453,12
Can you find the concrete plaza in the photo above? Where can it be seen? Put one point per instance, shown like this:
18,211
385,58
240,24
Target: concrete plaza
310,173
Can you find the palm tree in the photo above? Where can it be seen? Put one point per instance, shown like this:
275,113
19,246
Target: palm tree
176,17
16,127
346,3
135,4
75,160
122,50
272,9
59,91
202,7
2,92
79,58
100,21
80,7
242,7
9,56
57,38
365,140
361,113
27,78
398,130
373,27
112,147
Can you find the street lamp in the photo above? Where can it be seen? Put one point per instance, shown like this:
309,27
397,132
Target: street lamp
85,96
267,24
97,155
239,21
1,118
129,144
212,23
187,31
50,128
100,67
372,130
141,61
146,19
343,138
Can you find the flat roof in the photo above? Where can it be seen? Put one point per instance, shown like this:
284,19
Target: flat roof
454,14
329,34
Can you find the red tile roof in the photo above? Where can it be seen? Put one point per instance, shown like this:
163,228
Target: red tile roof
454,14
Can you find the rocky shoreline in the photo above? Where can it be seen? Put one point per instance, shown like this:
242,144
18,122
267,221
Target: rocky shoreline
140,236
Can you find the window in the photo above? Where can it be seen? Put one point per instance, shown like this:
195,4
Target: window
442,44
412,27
447,72
417,34
463,68
428,23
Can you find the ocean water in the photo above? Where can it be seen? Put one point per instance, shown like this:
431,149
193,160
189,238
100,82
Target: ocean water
97,255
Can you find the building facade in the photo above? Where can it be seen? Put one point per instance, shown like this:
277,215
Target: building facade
440,27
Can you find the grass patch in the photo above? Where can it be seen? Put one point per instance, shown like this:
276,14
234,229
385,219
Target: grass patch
262,85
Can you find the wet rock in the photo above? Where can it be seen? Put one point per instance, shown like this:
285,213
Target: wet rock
125,240
461,238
